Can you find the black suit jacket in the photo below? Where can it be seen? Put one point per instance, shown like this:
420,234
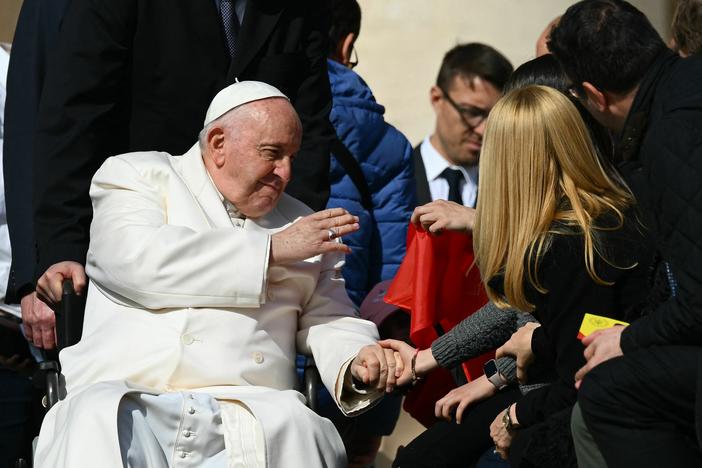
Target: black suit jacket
420,177
139,75
34,41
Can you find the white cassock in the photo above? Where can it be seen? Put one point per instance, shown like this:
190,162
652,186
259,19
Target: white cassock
181,299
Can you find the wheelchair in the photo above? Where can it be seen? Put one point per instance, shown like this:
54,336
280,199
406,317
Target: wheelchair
69,328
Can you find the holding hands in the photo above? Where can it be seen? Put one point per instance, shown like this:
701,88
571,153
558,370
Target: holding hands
313,235
377,367
441,214
424,361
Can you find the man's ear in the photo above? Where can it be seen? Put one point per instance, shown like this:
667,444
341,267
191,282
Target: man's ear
345,48
435,95
595,97
215,145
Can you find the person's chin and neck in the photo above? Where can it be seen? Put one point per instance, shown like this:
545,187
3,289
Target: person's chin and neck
254,202
462,152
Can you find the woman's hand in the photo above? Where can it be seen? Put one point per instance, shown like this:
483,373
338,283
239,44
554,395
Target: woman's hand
441,214
519,347
500,435
464,396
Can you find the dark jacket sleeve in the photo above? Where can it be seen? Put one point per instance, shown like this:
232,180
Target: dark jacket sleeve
310,180
82,120
542,347
672,154
32,47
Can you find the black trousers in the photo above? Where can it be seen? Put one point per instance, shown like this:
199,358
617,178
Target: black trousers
447,444
640,408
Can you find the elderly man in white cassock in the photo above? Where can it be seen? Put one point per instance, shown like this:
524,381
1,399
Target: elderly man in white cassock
205,280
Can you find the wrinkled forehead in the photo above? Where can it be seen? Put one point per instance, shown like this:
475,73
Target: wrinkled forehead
270,119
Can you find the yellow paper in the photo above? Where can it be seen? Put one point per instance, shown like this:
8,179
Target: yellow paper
592,323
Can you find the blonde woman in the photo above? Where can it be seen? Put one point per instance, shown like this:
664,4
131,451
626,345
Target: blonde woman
555,236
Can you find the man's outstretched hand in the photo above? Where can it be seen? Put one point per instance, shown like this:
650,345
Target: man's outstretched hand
313,235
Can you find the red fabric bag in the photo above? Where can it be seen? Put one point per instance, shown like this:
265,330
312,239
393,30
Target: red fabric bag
433,286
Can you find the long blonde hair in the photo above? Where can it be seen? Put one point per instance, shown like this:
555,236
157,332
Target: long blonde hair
538,170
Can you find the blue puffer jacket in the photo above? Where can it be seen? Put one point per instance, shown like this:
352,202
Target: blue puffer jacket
385,157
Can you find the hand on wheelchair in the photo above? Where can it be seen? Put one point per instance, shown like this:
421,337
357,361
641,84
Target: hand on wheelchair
50,284
38,318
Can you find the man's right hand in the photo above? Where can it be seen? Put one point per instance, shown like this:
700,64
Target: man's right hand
50,285
313,235
38,321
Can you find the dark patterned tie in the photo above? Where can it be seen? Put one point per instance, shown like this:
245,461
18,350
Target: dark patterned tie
230,22
454,178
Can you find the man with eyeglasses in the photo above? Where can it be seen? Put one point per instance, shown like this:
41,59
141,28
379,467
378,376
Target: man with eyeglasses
469,83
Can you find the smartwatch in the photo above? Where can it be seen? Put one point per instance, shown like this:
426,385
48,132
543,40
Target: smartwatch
493,374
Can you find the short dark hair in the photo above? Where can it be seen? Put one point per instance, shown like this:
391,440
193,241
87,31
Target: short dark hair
543,70
345,19
608,43
474,60
687,26
546,71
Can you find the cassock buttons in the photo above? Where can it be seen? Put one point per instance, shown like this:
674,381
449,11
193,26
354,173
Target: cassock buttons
257,357
182,454
191,410
187,339
187,433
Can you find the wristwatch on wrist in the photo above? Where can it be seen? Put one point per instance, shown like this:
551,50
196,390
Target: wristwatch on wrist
507,420
493,374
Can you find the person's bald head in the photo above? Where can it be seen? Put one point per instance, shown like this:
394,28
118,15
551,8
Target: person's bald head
542,41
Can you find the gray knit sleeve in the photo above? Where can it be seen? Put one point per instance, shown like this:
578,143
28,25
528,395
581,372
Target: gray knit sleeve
507,366
486,329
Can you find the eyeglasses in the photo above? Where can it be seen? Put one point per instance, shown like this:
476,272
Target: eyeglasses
354,58
471,116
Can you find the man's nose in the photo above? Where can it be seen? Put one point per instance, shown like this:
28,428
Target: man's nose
283,169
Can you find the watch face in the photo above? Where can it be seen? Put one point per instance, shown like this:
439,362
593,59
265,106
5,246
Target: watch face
490,368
